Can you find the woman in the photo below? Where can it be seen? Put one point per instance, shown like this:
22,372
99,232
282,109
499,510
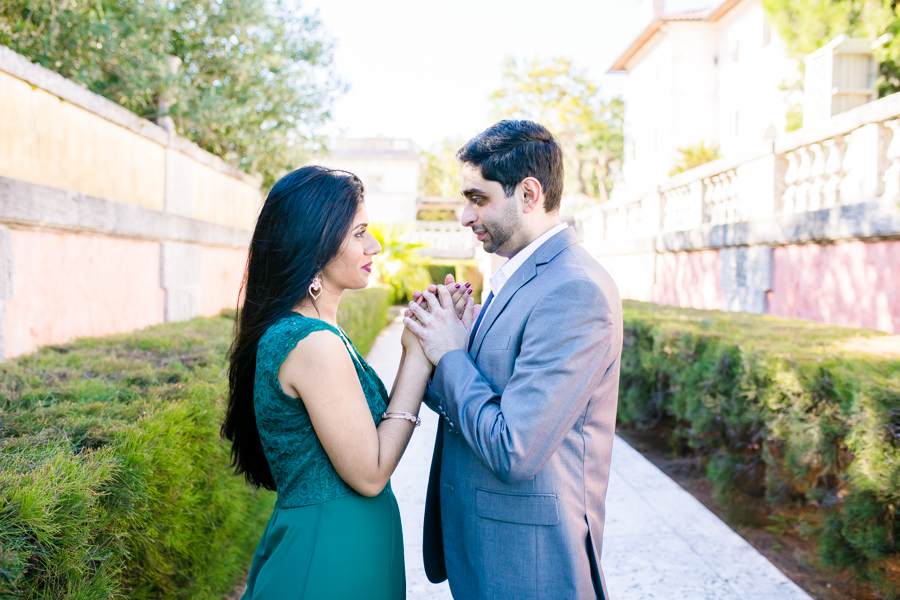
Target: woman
306,415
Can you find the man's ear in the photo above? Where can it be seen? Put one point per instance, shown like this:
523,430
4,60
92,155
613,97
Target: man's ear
533,194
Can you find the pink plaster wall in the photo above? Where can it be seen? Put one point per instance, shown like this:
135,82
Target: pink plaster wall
68,286
222,270
855,284
689,279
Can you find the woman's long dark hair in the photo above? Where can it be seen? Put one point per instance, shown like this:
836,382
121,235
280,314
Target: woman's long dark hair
301,228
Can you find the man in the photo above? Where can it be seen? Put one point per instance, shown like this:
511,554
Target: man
527,393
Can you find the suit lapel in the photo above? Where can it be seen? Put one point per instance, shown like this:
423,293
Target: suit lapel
525,273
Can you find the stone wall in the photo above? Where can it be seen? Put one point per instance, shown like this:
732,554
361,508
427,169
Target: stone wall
807,227
855,283
108,223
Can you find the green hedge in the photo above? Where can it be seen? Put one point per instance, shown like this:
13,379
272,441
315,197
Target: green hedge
363,314
113,478
785,409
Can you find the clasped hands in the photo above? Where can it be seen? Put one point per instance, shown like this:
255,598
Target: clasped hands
441,317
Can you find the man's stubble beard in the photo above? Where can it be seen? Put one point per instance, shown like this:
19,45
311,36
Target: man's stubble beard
500,231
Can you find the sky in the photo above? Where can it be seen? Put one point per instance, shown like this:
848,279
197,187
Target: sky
425,69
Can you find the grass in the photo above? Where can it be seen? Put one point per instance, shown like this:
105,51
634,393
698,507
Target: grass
787,411
114,482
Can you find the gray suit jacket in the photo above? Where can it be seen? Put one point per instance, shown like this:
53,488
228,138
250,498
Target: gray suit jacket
516,496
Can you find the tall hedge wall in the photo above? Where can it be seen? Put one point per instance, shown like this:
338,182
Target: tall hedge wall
114,481
790,410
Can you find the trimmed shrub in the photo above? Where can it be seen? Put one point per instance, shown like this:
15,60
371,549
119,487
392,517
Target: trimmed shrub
788,410
114,481
438,272
468,271
363,314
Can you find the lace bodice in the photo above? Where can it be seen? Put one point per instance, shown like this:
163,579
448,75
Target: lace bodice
303,472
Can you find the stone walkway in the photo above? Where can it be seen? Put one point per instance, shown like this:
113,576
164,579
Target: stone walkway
411,477
659,542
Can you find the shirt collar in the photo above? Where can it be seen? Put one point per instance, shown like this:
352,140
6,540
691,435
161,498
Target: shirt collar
506,270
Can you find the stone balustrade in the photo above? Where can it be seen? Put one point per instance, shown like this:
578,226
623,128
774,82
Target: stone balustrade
720,199
443,239
808,226
683,206
852,159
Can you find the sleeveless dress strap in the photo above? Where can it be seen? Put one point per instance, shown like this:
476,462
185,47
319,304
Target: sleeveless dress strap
351,348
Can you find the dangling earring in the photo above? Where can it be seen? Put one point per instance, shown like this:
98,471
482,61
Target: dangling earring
315,288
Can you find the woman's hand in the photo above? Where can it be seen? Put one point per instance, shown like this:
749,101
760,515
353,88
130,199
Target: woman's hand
412,348
459,294
409,341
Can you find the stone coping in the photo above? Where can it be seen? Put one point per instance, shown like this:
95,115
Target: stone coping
34,206
871,221
20,67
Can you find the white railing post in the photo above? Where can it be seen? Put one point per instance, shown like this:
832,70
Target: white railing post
863,163
892,155
801,201
789,199
834,171
816,177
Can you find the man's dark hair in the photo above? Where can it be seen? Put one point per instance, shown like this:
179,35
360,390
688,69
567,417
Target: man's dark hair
509,151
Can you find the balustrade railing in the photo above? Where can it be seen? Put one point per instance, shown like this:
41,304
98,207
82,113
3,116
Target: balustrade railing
814,176
853,158
720,199
443,239
682,207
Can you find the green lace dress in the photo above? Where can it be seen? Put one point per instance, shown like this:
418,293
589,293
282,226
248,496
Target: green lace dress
324,540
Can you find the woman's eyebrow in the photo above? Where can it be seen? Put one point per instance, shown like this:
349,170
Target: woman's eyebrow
358,225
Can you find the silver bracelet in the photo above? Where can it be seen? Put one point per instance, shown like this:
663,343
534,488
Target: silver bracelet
403,415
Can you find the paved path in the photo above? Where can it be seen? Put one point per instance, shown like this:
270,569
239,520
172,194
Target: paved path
659,542
411,477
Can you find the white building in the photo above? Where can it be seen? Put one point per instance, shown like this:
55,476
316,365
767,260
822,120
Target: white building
389,170
713,75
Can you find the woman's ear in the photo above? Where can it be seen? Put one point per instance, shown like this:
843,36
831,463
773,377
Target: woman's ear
533,194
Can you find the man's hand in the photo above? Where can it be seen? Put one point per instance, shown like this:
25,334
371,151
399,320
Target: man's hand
440,331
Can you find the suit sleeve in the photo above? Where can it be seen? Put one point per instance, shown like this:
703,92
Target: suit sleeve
565,353
430,399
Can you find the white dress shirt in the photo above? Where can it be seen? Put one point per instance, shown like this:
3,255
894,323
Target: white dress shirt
506,270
